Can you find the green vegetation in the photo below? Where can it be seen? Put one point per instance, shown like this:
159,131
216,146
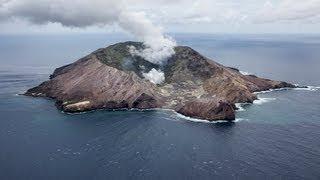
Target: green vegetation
118,56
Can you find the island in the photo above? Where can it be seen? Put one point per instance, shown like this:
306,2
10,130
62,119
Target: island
112,78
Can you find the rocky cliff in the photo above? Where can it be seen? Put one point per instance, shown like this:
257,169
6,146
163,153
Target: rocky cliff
113,78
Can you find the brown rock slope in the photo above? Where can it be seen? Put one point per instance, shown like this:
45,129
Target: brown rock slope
111,78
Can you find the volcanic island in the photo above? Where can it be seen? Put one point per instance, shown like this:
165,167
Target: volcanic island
113,78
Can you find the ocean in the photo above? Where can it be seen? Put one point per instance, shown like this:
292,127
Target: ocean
277,137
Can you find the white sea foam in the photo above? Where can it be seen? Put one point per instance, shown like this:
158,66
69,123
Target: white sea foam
272,90
176,116
240,106
308,88
263,100
205,121
245,73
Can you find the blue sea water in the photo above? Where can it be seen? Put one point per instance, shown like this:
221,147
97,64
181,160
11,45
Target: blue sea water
277,137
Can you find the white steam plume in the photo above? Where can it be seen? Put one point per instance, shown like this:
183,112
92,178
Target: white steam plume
154,76
84,13
158,47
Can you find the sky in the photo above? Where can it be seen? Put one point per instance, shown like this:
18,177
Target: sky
174,16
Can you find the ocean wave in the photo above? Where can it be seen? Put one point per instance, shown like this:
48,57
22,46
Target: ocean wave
263,100
245,73
174,117
206,121
240,106
272,90
114,110
308,88
259,101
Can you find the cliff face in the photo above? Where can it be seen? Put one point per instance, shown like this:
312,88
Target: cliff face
111,78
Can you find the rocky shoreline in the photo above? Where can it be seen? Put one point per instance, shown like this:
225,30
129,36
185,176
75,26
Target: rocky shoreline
112,78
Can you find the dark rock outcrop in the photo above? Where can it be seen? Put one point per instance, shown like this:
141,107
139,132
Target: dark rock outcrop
112,78
204,108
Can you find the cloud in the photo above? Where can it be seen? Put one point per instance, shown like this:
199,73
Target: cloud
76,13
86,13
181,15
288,11
232,12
